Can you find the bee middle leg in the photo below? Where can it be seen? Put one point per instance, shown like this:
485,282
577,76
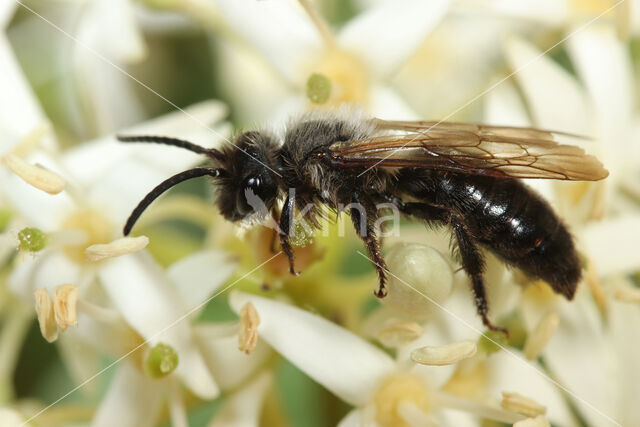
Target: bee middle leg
473,265
365,228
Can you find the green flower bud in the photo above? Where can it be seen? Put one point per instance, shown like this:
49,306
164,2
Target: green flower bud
161,361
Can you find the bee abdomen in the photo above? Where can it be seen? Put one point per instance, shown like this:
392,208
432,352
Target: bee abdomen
520,227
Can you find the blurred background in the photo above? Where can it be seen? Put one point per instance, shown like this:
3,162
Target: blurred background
75,72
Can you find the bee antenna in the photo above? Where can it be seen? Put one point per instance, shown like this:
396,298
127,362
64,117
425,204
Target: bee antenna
164,186
168,141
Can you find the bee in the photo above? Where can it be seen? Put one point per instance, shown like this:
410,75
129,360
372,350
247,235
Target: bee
464,176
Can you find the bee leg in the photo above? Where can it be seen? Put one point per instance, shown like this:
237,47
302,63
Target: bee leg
274,235
359,208
473,265
285,226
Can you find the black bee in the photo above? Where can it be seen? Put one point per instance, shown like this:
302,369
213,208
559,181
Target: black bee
461,175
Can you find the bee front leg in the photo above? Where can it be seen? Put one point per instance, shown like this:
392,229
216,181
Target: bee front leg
285,229
362,207
473,265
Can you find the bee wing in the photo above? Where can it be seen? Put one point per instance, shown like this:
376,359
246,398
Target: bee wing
499,151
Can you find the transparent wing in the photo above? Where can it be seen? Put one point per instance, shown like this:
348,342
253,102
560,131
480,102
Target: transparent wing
498,151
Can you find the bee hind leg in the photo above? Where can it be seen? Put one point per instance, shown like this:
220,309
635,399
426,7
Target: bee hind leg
363,216
473,265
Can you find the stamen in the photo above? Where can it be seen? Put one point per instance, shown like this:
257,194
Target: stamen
122,246
102,314
477,408
628,294
519,404
397,332
320,23
65,298
596,289
46,316
539,421
249,322
540,336
37,176
31,140
444,354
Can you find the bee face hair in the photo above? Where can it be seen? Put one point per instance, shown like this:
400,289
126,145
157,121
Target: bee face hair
249,185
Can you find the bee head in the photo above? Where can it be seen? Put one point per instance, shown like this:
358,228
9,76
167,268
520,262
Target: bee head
249,186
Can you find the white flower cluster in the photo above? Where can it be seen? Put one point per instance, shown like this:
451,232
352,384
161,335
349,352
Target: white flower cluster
422,356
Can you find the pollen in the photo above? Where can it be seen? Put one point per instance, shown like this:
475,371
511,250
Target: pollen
95,227
540,336
34,175
65,298
519,404
397,332
46,316
122,246
248,334
445,354
396,391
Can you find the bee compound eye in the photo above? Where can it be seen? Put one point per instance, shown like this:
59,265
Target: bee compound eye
253,182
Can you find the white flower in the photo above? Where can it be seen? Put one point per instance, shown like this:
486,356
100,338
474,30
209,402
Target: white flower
385,391
586,353
103,194
360,60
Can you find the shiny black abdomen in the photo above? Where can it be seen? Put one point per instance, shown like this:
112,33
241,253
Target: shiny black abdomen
506,217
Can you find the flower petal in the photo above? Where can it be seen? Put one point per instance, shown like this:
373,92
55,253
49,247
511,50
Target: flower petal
352,419
339,360
114,31
386,35
386,103
133,399
244,407
617,255
150,304
513,373
199,275
92,162
20,111
604,65
279,30
624,322
46,269
553,95
228,364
